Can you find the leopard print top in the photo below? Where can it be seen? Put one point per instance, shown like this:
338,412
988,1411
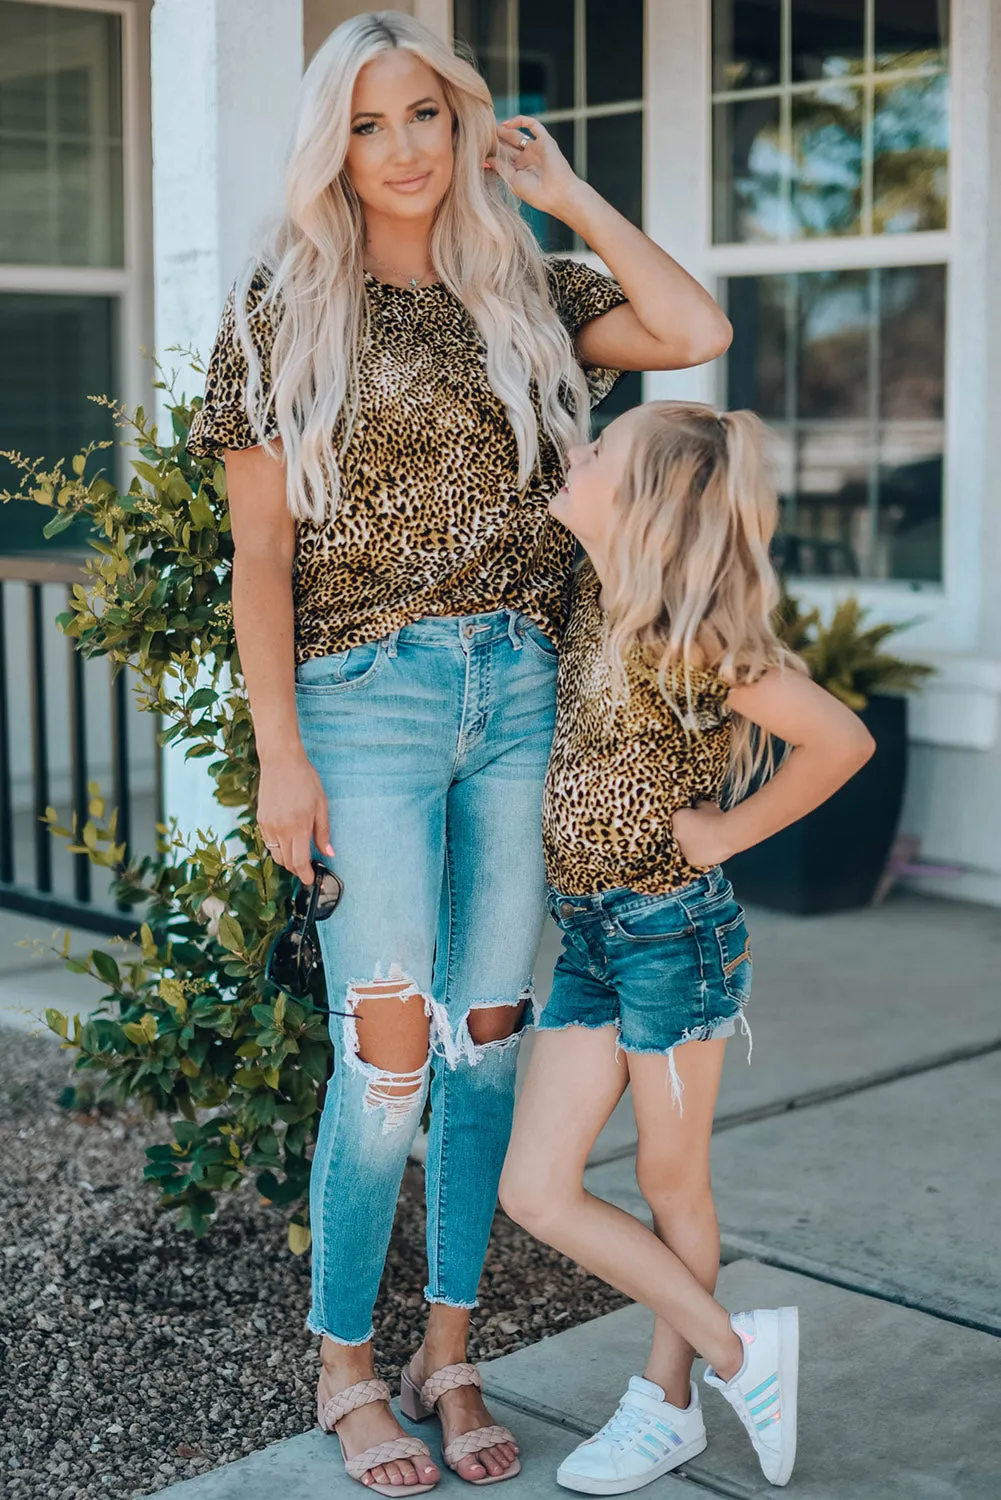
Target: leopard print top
431,521
618,772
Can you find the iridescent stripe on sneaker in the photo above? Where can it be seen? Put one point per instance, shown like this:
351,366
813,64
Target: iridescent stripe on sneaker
759,1390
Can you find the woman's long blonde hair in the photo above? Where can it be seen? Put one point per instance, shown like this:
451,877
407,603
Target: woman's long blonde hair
481,249
691,579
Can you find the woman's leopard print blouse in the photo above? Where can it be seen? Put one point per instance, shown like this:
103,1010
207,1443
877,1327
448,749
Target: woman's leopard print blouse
618,772
431,521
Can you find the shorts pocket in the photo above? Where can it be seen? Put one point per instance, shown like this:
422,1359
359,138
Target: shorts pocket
533,636
342,670
735,957
654,922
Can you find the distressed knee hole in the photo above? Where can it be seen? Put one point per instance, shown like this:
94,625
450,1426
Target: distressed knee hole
495,1023
388,1042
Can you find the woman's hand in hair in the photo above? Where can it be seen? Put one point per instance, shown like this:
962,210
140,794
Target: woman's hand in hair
536,170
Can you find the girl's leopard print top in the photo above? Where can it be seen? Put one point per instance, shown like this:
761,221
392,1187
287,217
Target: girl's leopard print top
618,771
431,521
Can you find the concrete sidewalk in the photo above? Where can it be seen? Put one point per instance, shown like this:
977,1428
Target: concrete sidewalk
857,1175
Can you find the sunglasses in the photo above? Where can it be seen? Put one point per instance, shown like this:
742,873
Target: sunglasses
294,955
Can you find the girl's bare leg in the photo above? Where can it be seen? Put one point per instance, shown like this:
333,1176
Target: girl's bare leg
672,1169
574,1081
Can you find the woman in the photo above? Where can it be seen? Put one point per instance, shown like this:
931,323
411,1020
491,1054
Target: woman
394,389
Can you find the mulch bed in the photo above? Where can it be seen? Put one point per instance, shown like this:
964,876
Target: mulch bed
134,1356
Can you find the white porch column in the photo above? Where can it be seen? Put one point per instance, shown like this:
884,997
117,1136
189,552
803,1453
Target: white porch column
224,79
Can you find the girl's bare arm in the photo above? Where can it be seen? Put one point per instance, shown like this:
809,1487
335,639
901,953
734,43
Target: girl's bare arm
830,743
292,807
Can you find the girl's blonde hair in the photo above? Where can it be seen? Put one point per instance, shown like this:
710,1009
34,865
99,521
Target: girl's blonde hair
691,580
481,248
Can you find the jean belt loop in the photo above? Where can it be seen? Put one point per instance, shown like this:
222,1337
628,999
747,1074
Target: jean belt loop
390,643
514,629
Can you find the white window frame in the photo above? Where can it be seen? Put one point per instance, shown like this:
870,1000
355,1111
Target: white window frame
132,282
679,216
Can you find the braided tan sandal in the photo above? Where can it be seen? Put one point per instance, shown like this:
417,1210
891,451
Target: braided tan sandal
365,1393
418,1403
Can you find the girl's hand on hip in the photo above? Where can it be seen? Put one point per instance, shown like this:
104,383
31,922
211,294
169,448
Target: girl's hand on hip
292,814
700,834
536,170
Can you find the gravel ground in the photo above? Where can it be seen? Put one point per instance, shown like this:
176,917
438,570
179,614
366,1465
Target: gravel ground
134,1356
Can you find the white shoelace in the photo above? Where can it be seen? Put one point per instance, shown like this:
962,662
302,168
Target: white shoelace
621,1429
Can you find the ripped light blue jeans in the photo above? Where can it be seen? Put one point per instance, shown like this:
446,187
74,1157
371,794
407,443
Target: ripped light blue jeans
432,749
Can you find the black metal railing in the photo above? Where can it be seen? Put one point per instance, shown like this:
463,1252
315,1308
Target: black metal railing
36,876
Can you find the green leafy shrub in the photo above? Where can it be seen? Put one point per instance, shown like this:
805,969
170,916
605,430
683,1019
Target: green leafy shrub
188,1024
845,657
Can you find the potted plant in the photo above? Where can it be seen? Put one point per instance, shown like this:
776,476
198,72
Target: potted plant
832,859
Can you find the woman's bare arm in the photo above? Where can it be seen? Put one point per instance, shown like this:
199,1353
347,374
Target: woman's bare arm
670,322
292,807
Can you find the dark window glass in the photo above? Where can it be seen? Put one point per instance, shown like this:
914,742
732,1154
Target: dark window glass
856,405
546,55
482,25
756,362
614,50
748,171
551,233
615,162
828,38
627,392
910,33
910,166
58,350
747,43
827,161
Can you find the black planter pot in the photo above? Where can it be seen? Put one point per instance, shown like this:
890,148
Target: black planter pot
832,859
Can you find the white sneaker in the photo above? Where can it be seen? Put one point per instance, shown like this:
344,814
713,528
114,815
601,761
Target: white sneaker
763,1391
646,1437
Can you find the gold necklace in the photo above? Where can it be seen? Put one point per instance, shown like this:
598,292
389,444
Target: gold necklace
414,282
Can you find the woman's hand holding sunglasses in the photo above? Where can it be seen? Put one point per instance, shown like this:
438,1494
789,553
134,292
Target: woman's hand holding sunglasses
292,814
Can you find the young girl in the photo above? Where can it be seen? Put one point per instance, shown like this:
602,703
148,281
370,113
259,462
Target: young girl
671,683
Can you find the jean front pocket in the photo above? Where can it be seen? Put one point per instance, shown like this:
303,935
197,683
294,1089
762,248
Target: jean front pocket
533,636
735,957
653,921
342,670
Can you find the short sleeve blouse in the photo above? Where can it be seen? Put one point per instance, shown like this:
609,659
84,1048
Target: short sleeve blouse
430,521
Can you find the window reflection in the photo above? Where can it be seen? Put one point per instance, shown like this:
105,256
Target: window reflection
613,32
545,55
910,33
615,162
910,132
748,200
552,234
848,368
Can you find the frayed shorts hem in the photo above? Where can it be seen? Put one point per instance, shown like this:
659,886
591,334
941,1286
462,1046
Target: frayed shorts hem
713,1031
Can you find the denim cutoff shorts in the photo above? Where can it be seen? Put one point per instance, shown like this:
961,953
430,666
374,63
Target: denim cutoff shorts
661,969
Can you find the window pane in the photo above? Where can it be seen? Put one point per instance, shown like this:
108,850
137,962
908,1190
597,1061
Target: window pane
552,234
857,408
627,392
615,162
910,169
60,136
614,43
57,352
482,25
828,38
827,161
911,33
747,43
833,318
912,408
546,55
748,172
756,362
